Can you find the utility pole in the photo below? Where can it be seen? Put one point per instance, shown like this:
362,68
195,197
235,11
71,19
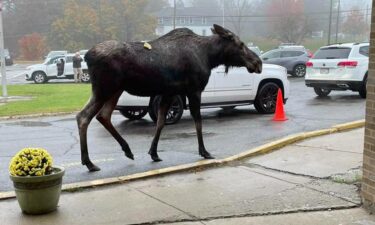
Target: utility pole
223,14
2,52
174,14
330,23
337,20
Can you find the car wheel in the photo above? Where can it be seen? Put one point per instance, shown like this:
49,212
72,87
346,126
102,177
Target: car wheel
322,92
299,70
39,77
363,90
174,113
85,77
133,114
265,102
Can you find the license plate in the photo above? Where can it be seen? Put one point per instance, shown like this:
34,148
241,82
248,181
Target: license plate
324,71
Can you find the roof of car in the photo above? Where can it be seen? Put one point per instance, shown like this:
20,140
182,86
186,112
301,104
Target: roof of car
345,44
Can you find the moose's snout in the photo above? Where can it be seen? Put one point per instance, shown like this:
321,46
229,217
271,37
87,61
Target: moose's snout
258,66
255,66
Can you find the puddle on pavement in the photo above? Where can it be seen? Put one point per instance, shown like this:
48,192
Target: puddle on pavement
29,124
185,135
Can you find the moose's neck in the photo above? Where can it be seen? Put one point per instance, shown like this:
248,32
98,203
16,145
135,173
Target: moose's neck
214,50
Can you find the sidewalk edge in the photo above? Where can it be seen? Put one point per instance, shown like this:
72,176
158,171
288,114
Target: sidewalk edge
266,148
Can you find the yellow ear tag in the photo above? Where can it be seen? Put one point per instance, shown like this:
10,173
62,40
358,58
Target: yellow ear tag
147,45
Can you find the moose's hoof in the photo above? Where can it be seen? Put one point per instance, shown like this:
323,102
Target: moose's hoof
92,167
155,158
207,155
129,155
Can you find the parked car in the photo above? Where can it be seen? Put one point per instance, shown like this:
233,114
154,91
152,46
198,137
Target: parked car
55,53
8,58
293,59
83,52
255,49
339,67
238,87
41,73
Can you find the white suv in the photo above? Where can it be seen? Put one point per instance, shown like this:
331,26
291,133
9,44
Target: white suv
339,67
41,73
238,87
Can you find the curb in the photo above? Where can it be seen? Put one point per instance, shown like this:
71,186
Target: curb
266,148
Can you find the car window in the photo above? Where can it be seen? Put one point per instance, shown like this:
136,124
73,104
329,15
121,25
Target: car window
291,53
69,59
271,55
332,53
364,50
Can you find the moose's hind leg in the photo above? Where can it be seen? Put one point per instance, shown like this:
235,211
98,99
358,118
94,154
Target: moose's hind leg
165,103
83,120
104,117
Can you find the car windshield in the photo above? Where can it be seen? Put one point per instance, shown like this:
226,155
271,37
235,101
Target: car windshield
332,53
271,54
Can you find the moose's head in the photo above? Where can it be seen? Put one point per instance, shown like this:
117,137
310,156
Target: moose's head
235,52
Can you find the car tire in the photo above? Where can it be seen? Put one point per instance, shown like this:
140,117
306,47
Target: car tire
299,70
85,77
322,92
363,90
174,113
39,77
265,102
133,114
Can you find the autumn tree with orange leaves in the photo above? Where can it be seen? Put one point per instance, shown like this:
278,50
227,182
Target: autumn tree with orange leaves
289,24
32,46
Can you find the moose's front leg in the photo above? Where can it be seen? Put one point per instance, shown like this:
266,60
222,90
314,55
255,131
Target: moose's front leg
195,110
165,103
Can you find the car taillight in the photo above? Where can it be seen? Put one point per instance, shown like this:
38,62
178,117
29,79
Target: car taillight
348,64
309,64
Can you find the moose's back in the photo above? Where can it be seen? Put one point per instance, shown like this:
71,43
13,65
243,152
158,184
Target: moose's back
173,62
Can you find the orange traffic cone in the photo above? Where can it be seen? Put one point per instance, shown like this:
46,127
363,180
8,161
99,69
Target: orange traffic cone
279,113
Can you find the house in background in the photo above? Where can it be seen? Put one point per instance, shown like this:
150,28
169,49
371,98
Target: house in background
198,19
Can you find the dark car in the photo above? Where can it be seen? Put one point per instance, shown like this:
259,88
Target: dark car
8,58
293,59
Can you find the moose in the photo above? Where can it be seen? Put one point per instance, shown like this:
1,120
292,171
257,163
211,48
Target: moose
178,63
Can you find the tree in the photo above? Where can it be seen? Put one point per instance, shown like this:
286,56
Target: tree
32,46
355,24
87,22
237,11
77,28
289,22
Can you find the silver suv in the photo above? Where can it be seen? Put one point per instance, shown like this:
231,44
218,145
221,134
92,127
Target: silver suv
292,58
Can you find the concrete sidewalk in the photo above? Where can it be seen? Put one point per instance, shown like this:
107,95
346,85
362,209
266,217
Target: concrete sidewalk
310,182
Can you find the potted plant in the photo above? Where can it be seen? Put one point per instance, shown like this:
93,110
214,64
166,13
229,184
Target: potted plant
36,181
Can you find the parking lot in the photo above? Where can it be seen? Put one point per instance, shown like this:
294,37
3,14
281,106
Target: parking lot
226,132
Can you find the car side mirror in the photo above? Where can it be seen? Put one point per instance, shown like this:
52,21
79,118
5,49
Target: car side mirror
265,58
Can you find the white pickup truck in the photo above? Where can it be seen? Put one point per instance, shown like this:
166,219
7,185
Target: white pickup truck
238,87
41,73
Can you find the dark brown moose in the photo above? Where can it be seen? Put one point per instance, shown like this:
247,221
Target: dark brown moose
178,63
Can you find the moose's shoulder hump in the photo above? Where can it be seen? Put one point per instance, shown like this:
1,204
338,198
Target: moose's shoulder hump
179,32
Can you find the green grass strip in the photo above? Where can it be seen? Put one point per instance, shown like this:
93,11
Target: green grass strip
46,98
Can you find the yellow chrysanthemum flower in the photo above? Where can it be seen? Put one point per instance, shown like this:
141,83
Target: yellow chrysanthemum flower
31,162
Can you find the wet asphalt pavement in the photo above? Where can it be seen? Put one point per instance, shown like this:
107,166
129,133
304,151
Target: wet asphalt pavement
225,133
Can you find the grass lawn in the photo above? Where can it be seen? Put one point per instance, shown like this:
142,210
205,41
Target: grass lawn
46,98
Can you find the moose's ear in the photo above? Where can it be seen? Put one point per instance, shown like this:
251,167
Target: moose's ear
222,32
